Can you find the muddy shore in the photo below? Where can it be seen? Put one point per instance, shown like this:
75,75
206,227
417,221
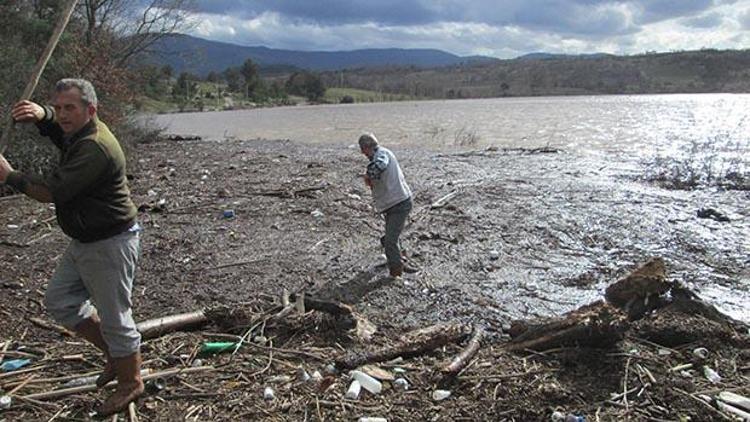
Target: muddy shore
525,235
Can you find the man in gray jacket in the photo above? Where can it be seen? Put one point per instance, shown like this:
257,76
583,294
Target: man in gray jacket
391,194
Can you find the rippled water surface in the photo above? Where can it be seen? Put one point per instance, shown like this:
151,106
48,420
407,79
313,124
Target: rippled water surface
586,123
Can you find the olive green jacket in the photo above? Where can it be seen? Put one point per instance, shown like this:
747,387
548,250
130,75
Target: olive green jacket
89,187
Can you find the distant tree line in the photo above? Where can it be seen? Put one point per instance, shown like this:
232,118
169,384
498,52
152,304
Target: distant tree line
679,72
190,91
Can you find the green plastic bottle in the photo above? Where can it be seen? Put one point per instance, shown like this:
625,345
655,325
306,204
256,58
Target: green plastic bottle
219,347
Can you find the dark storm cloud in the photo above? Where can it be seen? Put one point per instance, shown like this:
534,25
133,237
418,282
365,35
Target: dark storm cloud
501,28
328,12
707,21
658,10
584,17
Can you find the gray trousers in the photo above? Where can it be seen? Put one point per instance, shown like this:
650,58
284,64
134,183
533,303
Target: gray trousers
101,272
395,218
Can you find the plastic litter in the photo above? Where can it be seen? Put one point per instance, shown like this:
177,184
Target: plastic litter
13,364
368,383
228,214
438,395
302,375
218,347
401,384
371,419
317,213
575,418
268,394
5,402
353,392
156,385
557,416
700,352
711,375
317,377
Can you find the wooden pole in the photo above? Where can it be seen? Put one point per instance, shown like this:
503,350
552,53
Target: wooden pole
36,73
158,326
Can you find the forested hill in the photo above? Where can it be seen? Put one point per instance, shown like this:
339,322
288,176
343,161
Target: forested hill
679,72
184,53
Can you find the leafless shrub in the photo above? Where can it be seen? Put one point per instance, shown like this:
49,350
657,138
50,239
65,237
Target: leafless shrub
720,161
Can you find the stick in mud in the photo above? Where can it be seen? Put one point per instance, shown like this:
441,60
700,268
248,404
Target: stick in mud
412,344
467,354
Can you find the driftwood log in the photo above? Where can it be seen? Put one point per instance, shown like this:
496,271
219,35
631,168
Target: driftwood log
467,354
359,325
628,300
640,291
159,326
597,325
237,317
414,343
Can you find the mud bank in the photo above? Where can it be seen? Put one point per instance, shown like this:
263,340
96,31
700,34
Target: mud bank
521,235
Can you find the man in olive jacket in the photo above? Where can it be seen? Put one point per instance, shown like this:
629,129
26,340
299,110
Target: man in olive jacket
90,291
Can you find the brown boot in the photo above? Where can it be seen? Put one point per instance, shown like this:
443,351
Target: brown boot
91,330
129,385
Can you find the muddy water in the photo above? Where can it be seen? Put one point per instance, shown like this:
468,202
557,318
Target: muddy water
564,225
633,124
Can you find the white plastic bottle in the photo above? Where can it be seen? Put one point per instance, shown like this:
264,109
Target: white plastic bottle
353,392
368,383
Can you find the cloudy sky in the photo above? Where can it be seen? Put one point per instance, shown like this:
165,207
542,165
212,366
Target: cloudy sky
499,28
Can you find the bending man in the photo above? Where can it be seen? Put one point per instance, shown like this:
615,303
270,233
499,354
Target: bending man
93,206
391,194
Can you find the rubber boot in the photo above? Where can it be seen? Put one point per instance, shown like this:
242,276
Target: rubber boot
91,330
129,385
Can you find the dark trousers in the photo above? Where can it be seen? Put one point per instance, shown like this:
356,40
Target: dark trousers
395,218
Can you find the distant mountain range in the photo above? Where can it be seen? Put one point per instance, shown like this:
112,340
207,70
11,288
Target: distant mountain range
185,53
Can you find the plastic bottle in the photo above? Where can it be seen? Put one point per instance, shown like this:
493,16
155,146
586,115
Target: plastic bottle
13,364
711,375
368,383
353,392
438,395
81,381
218,347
